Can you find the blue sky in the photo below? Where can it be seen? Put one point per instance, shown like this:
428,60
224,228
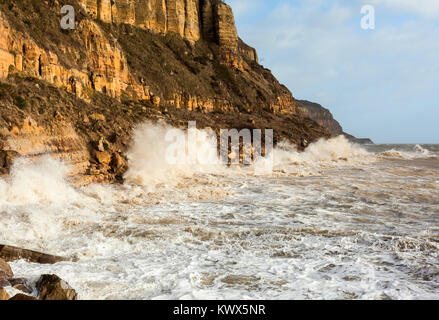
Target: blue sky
382,83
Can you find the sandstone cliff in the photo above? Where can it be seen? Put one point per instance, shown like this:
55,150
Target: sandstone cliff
104,51
64,92
192,19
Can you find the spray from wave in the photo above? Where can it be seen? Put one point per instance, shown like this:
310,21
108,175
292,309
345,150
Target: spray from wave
38,203
37,200
161,154
34,182
417,152
337,149
197,248
30,199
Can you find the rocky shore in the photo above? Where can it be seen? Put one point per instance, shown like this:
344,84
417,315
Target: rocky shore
77,95
48,287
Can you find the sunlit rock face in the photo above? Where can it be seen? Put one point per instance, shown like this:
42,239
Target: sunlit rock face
77,94
109,69
106,68
99,63
94,57
159,16
191,19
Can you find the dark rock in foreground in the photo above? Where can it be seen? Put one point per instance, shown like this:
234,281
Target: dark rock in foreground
22,297
21,284
5,270
52,287
10,253
3,294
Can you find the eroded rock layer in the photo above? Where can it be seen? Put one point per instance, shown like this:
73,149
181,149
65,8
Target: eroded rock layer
92,58
191,19
66,92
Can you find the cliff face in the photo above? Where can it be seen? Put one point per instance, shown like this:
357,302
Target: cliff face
319,114
325,118
99,64
103,52
127,61
192,19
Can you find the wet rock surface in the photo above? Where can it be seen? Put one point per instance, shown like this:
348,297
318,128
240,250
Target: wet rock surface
5,270
3,294
21,284
49,287
22,297
10,253
52,287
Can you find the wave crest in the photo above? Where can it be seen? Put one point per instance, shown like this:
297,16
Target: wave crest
337,149
155,156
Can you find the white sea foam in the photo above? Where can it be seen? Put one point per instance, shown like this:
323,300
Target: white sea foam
318,156
37,203
418,152
324,150
155,156
43,181
419,149
358,231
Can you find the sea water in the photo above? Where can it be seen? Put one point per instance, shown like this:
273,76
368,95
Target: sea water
339,221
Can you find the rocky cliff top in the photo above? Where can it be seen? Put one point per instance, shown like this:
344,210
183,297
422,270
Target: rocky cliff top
192,19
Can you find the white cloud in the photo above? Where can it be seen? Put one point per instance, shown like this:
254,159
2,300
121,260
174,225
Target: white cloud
243,8
424,8
373,81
